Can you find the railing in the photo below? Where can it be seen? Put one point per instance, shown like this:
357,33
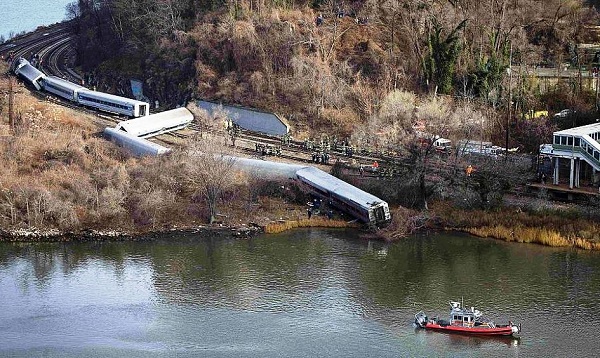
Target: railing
579,152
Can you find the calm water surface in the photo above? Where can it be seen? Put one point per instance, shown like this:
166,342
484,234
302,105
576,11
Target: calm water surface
17,16
307,293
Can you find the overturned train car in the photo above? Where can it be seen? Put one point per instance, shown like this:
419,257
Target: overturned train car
365,207
156,124
135,145
28,73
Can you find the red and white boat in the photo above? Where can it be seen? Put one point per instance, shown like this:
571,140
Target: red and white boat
466,321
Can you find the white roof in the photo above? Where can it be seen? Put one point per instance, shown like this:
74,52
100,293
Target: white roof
110,97
266,169
64,83
327,181
137,146
30,72
175,118
578,131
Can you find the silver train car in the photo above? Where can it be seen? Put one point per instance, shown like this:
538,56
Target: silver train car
61,88
137,146
29,73
114,104
156,124
365,207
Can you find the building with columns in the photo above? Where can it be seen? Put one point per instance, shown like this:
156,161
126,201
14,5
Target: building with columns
579,148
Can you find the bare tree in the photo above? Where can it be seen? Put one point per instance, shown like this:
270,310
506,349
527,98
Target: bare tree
208,172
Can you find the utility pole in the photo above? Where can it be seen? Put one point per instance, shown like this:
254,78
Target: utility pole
596,75
509,98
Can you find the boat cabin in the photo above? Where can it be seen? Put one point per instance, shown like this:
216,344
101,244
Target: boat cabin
463,317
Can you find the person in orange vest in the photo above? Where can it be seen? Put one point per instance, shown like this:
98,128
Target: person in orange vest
469,170
375,165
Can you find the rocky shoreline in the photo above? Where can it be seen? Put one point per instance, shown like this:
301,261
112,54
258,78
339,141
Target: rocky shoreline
53,235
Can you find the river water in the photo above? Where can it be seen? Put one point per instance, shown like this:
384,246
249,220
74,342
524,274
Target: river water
306,293
19,16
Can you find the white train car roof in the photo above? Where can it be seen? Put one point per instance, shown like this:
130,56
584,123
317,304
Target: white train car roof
64,83
135,145
20,63
110,97
328,182
30,73
156,124
265,169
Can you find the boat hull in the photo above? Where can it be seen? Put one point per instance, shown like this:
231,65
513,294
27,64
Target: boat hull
476,331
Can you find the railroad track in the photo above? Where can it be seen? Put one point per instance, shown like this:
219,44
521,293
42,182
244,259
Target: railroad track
54,45
35,42
56,60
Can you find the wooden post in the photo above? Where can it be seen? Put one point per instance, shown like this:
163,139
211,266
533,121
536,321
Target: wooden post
11,99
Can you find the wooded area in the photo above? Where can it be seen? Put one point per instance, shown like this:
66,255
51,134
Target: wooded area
377,73
335,74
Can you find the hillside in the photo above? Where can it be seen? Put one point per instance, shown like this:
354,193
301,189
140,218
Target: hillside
59,173
344,74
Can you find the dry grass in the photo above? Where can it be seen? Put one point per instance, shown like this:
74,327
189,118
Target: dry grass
277,227
560,228
56,173
536,235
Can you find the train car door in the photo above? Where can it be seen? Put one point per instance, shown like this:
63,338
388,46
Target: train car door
379,213
143,110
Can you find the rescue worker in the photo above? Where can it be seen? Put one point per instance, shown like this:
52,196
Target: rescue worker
469,170
319,20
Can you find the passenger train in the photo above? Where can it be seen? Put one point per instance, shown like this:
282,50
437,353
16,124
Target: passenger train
79,94
365,207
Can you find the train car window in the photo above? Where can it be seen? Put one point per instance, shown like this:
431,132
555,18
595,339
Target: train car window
569,140
379,213
596,155
577,142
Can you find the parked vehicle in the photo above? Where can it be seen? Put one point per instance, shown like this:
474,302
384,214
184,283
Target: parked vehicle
443,145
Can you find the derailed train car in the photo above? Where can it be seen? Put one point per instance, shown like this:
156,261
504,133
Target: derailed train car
62,88
158,123
27,72
365,207
79,94
114,104
137,146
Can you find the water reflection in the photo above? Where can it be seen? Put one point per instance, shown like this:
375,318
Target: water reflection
304,293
